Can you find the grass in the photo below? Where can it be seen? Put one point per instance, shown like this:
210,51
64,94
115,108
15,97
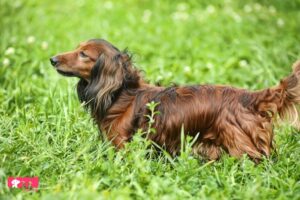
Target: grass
45,132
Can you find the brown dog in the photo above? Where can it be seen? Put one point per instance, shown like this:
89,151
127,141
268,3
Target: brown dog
227,119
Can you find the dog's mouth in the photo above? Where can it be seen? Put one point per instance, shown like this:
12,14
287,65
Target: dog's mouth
65,73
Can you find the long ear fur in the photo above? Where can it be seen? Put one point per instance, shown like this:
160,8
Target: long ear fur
109,76
81,90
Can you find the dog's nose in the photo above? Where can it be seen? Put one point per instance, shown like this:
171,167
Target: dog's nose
54,61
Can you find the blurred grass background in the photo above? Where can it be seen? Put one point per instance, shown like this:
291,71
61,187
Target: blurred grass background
45,132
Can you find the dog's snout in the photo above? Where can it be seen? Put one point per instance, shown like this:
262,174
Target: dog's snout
54,61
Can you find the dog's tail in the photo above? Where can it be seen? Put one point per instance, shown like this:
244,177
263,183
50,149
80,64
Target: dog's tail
283,99
289,110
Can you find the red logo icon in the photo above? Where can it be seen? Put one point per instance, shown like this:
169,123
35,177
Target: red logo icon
28,183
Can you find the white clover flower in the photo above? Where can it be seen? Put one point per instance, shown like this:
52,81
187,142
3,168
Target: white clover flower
280,22
210,65
10,51
272,9
182,6
17,4
243,63
247,8
34,77
187,69
210,9
159,78
6,62
169,74
108,5
257,6
237,17
180,16
44,45
30,39
146,16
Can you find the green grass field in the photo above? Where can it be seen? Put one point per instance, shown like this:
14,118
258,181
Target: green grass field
45,132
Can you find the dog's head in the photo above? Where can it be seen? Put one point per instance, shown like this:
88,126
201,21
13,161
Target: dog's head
103,71
81,61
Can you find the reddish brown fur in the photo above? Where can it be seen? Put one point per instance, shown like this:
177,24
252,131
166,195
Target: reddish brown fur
227,119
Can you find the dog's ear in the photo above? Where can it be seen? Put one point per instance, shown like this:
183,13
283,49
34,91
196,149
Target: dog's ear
107,78
81,90
131,75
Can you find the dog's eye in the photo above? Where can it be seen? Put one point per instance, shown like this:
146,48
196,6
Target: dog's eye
82,54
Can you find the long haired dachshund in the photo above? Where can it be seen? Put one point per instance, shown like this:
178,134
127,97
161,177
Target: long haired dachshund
223,118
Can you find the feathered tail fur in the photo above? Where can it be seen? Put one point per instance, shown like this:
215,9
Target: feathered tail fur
289,111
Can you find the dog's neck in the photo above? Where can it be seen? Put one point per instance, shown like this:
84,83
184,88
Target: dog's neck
100,109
